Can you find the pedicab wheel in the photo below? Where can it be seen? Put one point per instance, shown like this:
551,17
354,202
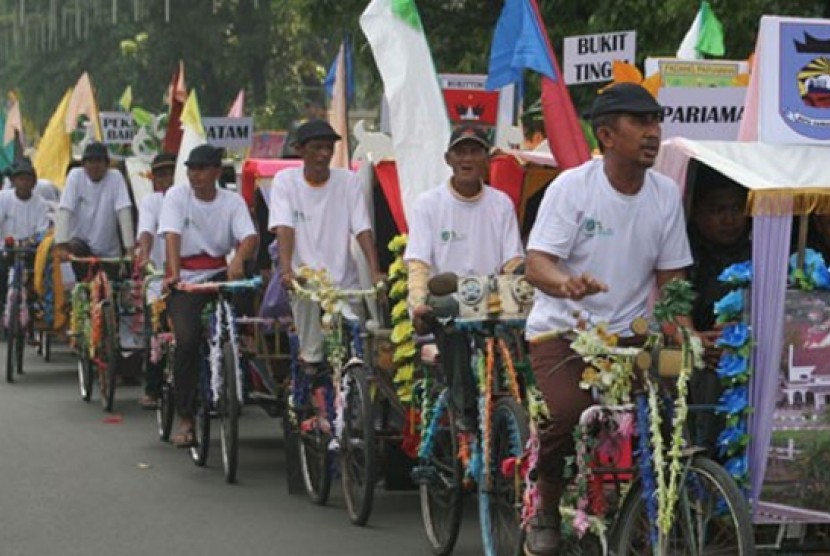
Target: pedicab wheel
11,339
165,412
19,346
46,345
109,357
499,499
442,492
358,452
291,442
84,372
711,517
315,457
229,413
199,451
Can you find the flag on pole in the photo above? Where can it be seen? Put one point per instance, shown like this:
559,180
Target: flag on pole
82,103
331,77
417,113
13,138
704,37
126,100
175,98
192,135
339,112
55,148
519,43
237,109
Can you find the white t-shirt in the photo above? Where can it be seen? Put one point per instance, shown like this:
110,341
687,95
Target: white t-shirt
149,214
619,239
94,208
212,228
22,219
464,237
324,220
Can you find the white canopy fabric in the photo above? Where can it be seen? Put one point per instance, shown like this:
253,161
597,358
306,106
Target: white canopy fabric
773,173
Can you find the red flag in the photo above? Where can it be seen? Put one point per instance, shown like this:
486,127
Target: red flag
565,138
175,97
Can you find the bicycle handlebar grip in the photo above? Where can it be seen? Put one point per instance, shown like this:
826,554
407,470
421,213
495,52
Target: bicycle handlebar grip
443,284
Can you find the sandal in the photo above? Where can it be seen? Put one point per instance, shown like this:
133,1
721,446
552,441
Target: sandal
148,402
185,438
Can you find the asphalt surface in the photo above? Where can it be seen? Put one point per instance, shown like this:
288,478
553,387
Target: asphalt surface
77,481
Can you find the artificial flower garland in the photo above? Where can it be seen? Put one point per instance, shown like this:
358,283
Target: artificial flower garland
734,372
403,332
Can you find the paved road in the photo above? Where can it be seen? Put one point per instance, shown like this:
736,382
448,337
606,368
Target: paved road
72,482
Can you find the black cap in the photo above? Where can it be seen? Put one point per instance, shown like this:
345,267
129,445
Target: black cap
625,98
96,151
315,129
205,155
22,166
466,132
163,160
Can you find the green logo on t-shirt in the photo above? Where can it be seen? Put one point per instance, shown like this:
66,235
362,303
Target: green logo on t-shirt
594,227
299,216
448,236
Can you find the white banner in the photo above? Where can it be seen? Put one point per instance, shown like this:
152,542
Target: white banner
588,58
118,127
702,113
229,133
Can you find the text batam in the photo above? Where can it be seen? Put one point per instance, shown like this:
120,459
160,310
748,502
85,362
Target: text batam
229,133
590,58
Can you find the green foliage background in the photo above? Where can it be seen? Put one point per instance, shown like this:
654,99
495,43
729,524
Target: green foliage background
279,50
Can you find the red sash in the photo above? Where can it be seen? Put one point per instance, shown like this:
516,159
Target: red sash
203,261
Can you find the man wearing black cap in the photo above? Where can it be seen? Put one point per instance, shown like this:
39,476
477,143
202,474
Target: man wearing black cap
151,250
94,208
202,224
606,232
315,211
468,228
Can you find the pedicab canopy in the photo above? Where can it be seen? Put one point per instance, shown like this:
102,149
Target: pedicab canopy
789,388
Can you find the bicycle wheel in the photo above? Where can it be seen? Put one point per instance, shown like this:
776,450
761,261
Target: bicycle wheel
712,517
441,491
358,448
12,332
46,345
315,436
229,413
108,364
291,443
499,501
19,346
164,412
199,451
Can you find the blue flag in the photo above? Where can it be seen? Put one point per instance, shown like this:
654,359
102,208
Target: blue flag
332,74
518,44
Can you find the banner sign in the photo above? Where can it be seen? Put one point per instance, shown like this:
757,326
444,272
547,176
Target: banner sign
588,58
467,101
795,80
118,128
696,73
702,113
229,133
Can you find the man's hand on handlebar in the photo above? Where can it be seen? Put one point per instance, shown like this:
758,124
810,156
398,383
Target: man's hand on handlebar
287,279
236,270
421,317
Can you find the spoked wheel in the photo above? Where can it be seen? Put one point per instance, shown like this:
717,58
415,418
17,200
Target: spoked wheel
85,371
199,451
165,410
229,409
358,453
314,429
711,518
45,345
499,501
12,333
108,357
291,439
441,486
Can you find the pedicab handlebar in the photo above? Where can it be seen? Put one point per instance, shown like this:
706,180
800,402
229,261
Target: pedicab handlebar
223,286
100,260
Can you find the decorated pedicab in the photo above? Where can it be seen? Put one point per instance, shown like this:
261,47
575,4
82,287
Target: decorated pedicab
775,444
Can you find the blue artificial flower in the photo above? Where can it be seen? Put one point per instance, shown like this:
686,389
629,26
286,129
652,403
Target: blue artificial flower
820,277
729,437
732,365
733,401
812,260
731,304
734,336
738,274
737,466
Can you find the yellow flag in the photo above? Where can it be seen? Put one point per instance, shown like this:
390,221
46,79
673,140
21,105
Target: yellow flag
55,148
126,100
193,135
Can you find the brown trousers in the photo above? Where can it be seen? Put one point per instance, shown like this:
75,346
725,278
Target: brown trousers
558,371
